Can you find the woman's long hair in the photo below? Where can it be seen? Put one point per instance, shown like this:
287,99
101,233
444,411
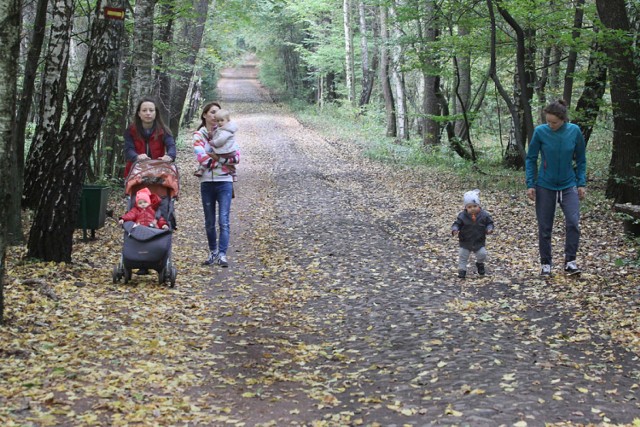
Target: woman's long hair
158,120
205,110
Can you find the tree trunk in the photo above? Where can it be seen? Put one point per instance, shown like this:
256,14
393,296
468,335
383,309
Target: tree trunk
54,86
430,103
595,84
142,53
368,73
163,60
624,169
9,54
56,212
348,52
24,107
573,53
397,77
518,138
389,103
189,41
463,89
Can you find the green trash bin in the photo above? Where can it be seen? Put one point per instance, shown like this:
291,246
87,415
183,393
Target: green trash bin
93,209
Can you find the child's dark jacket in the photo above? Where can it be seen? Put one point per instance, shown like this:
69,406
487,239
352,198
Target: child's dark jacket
472,235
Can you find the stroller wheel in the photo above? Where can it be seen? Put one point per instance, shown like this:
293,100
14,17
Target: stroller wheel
173,274
127,275
161,276
115,275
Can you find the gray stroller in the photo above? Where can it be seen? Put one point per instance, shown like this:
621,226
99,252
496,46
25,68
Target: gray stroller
145,247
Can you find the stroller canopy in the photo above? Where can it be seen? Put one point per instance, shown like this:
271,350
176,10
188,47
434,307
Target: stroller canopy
153,173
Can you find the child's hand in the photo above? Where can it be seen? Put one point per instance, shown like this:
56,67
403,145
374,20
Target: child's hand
164,227
121,221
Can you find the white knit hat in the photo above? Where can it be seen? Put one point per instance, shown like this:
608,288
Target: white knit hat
472,196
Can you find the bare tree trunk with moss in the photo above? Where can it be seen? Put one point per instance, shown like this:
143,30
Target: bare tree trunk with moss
56,210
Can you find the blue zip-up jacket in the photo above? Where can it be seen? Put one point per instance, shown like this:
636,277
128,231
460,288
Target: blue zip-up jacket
557,149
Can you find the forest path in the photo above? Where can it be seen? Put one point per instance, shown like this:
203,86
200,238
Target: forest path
341,303
340,307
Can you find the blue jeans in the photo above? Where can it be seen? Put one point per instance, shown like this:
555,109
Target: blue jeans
212,194
546,201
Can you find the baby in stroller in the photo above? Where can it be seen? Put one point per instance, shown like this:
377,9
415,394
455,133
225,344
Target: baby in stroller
143,213
151,188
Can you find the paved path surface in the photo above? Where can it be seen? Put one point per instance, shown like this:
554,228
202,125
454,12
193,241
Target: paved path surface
340,306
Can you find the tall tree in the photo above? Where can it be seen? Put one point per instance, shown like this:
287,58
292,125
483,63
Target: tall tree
623,184
385,79
368,72
142,52
54,86
56,210
430,74
397,75
9,52
350,75
188,42
573,53
24,109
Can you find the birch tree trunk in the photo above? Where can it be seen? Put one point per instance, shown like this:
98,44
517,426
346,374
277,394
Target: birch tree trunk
9,53
24,109
397,76
51,104
190,41
348,52
142,53
387,93
56,211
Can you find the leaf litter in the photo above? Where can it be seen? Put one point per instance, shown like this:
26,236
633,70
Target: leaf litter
340,307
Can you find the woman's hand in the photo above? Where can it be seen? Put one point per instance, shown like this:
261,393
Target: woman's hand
582,192
214,156
142,157
531,193
166,158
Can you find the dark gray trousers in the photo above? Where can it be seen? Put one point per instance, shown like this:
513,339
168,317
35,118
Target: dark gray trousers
546,201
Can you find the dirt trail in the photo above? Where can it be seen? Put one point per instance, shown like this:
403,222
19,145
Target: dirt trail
341,306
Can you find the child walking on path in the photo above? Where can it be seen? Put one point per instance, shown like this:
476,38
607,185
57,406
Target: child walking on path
472,226
223,141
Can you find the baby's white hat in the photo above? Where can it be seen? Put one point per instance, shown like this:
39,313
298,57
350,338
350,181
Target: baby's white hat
472,196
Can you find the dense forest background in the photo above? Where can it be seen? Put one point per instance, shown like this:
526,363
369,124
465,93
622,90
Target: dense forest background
447,75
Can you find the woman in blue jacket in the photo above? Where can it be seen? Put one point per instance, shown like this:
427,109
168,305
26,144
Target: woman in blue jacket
560,178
